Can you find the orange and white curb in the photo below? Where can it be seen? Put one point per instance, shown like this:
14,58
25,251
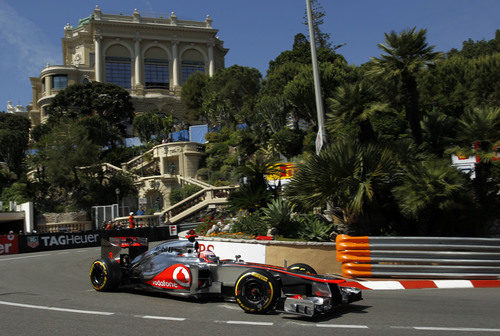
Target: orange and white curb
418,284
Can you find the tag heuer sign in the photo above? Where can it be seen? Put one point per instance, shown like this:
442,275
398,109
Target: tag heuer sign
33,241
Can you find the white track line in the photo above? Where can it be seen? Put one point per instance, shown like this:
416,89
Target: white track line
67,310
389,285
457,329
353,326
168,318
453,284
31,256
251,323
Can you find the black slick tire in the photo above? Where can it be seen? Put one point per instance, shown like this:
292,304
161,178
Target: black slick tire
105,275
256,291
302,269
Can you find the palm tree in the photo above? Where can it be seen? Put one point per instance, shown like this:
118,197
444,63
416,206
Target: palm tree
405,55
354,103
346,176
478,134
428,188
253,193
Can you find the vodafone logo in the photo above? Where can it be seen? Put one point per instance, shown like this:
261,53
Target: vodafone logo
181,276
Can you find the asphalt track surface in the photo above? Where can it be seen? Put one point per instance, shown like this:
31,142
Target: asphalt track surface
48,293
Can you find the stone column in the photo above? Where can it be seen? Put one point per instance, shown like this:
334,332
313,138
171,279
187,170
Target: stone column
211,65
175,65
98,58
48,85
137,63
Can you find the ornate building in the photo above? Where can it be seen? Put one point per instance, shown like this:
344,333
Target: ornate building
150,57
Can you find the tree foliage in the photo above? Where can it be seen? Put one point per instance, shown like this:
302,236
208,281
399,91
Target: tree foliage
107,101
14,134
406,53
151,124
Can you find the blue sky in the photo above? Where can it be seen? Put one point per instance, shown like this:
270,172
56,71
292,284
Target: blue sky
255,31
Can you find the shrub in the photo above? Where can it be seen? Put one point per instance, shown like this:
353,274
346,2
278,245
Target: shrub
251,224
178,195
278,214
313,228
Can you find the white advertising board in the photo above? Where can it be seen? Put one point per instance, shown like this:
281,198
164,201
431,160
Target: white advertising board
226,250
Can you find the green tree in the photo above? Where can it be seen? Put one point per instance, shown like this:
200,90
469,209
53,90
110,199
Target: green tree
148,124
108,101
60,155
478,134
253,194
230,95
14,134
405,55
471,49
321,38
346,176
354,103
299,92
429,190
192,96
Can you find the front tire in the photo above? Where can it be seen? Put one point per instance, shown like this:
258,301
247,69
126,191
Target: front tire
256,291
105,275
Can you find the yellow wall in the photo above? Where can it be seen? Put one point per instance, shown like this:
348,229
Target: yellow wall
321,258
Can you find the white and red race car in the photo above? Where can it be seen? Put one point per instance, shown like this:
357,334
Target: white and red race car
178,268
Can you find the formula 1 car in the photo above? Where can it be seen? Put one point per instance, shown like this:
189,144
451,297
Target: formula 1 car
178,268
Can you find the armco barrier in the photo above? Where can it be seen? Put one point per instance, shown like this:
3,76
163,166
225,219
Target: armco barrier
419,257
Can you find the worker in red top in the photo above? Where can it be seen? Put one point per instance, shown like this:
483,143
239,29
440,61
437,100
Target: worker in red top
131,222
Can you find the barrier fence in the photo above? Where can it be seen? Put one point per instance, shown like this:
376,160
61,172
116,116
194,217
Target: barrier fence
419,257
13,244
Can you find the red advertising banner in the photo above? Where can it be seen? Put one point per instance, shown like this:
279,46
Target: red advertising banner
9,244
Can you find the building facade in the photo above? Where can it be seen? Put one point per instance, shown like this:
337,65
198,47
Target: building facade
150,57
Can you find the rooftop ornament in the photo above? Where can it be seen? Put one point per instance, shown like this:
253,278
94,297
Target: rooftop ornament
136,16
173,18
208,21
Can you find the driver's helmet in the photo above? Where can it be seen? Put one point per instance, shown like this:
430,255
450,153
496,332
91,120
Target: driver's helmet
208,256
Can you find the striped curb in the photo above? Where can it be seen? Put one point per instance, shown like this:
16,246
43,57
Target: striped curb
419,284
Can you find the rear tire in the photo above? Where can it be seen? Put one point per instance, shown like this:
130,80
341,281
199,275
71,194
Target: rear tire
105,275
302,269
256,291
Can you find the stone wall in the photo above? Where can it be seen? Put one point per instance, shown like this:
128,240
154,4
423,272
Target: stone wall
50,218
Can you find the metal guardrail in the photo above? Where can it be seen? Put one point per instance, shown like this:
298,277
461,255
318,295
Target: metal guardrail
188,226
419,257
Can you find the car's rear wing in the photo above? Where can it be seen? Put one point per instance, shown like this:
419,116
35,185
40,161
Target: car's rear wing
111,247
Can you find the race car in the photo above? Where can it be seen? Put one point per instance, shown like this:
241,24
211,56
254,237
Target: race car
178,267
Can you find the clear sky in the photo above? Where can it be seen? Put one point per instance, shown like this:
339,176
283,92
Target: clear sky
255,31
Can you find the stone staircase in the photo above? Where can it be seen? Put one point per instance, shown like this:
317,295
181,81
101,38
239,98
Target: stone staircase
195,203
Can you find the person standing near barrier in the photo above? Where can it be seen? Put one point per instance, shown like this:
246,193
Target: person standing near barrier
131,221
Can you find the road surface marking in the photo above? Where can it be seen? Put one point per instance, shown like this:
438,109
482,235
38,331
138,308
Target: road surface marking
383,285
168,318
342,326
251,323
456,329
67,310
453,284
31,256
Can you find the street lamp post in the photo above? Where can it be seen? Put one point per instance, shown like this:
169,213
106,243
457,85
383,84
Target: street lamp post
117,191
320,138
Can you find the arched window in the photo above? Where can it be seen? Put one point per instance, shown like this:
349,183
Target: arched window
118,66
156,72
192,61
